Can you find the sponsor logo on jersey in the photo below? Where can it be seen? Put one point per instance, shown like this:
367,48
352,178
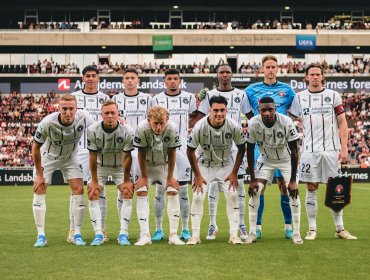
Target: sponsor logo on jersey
292,132
190,139
306,111
38,135
64,84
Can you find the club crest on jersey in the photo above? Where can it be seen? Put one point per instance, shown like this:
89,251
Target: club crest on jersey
142,101
166,139
281,93
119,140
57,143
228,135
80,128
339,189
327,99
137,140
206,147
279,134
185,101
101,100
237,99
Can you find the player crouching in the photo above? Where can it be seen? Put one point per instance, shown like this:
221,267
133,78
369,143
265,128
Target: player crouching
276,137
110,146
215,135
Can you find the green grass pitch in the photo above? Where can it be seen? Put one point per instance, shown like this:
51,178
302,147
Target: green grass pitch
272,257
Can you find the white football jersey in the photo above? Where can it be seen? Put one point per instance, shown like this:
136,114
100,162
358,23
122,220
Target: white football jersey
318,111
272,141
237,103
133,108
179,107
157,145
110,146
61,141
92,104
216,143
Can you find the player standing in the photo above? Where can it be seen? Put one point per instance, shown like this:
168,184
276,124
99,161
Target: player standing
110,144
324,147
89,99
55,147
283,95
276,138
181,106
237,104
157,140
216,135
133,106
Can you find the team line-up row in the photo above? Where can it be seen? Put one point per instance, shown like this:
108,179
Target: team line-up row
139,140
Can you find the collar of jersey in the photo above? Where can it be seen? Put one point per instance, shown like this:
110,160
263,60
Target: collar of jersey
124,93
215,127
270,85
225,90
165,92
107,131
90,93
316,91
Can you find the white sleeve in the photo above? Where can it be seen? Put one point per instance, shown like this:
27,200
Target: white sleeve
91,143
246,106
204,105
238,136
295,109
129,145
194,137
251,134
41,132
193,105
292,133
140,139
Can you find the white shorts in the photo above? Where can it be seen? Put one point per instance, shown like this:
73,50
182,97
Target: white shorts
318,166
218,175
183,166
265,168
157,173
84,159
70,168
115,172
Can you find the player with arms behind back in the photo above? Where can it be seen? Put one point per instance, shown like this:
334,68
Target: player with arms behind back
324,147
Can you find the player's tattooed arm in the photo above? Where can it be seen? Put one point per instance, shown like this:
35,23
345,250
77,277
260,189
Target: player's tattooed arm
39,183
292,186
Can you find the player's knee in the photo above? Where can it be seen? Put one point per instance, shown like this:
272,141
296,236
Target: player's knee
141,193
127,193
172,193
312,187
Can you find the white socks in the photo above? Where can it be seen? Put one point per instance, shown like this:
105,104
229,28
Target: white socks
78,210
254,203
173,211
184,206
311,208
159,204
95,216
71,218
295,206
338,219
119,203
125,215
213,196
241,201
142,209
103,207
197,212
39,211
232,211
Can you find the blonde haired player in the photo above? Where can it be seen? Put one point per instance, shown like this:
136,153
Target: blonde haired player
157,139
55,147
